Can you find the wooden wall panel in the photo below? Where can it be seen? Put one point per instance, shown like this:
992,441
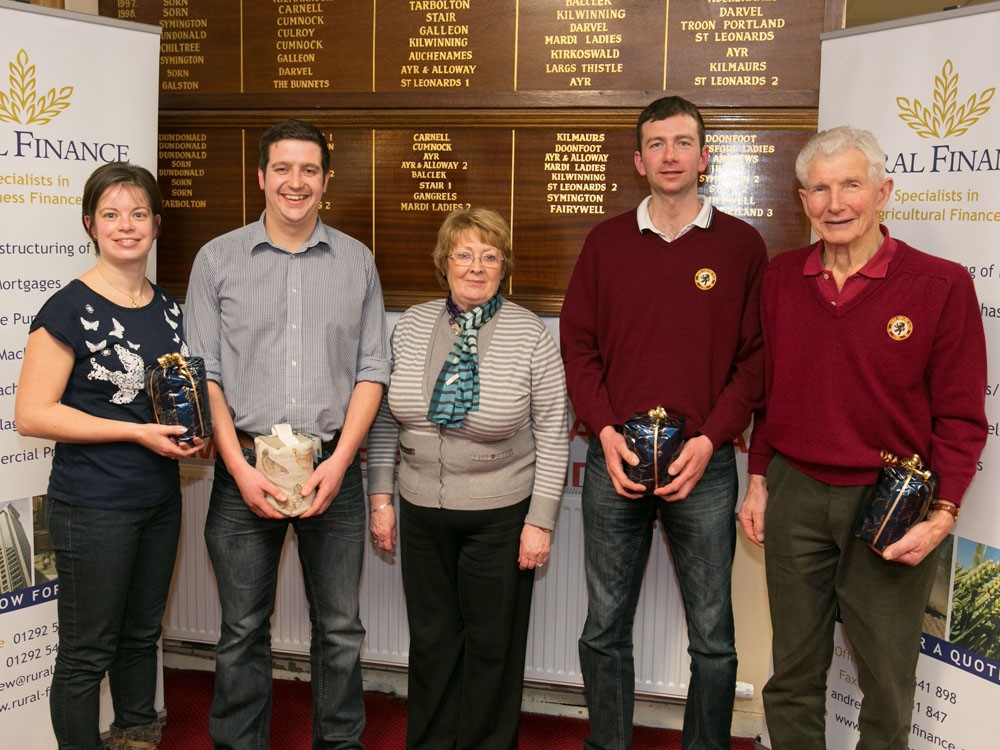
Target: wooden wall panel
525,106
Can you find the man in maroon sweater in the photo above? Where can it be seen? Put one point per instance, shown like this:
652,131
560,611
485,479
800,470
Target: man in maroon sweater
870,345
662,310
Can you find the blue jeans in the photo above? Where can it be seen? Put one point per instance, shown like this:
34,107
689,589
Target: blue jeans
114,571
245,550
701,532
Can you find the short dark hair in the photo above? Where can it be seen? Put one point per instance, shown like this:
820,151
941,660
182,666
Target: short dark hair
118,173
669,106
293,130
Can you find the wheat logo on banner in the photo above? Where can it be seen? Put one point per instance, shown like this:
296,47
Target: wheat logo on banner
22,104
945,117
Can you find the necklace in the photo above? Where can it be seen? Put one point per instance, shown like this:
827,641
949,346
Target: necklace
135,300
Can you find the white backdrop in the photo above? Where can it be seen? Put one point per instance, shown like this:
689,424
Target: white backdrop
75,91
926,89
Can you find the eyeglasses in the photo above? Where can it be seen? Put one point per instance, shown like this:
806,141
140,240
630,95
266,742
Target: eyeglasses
464,258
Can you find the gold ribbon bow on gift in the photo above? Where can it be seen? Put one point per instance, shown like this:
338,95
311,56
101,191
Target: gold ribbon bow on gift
914,464
657,414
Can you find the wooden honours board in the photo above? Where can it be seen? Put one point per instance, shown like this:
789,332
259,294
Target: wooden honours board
525,106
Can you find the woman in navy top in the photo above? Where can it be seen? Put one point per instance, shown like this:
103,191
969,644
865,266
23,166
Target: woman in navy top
114,503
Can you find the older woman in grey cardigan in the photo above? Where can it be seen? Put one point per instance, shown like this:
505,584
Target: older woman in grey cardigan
477,408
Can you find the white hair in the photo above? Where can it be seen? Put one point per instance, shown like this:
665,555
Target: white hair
837,140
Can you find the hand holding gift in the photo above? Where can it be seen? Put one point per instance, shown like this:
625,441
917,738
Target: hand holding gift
656,438
176,388
901,498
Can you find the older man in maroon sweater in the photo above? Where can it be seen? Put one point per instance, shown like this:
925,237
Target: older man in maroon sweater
662,310
870,345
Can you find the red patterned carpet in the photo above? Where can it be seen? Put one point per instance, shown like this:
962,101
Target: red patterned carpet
189,695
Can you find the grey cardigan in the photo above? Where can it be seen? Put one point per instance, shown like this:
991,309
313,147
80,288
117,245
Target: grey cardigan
515,445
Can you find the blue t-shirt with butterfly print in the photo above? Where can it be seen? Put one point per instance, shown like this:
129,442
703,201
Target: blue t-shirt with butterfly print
112,346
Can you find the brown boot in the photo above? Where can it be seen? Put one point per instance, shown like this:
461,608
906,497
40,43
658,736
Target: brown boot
146,737
117,739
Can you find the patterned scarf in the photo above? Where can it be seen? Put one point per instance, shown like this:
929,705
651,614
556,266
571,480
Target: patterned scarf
456,391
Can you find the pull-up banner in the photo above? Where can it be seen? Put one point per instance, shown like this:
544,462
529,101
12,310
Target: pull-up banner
76,91
927,89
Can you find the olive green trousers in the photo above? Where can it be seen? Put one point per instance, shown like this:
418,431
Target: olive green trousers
816,569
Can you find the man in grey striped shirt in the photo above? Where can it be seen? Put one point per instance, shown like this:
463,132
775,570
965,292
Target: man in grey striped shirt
288,315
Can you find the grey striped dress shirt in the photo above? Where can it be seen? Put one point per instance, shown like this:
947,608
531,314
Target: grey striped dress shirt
287,335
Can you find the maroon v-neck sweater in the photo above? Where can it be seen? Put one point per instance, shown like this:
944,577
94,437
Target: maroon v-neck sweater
900,367
649,323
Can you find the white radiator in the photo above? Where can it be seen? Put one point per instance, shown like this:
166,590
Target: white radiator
558,613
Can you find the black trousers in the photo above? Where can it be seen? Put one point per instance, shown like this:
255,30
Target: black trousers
468,606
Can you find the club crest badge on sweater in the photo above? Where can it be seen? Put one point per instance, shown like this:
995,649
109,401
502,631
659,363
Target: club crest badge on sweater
705,279
900,327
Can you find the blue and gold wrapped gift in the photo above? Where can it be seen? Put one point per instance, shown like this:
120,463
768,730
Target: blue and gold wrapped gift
176,388
656,438
902,495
